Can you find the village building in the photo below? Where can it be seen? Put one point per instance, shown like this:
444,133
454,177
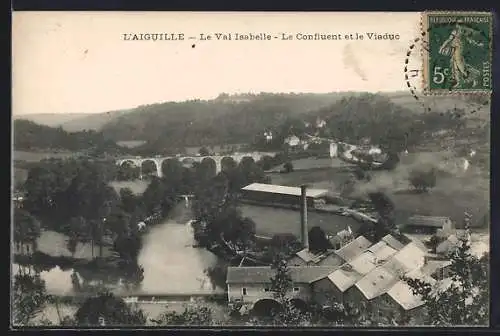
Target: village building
252,285
307,258
283,195
428,224
365,276
18,199
452,242
293,142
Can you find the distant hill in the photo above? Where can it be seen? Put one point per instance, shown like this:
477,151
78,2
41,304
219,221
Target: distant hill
73,122
171,126
30,136
92,121
50,119
226,119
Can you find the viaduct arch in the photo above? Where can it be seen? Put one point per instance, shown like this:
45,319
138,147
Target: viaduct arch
219,162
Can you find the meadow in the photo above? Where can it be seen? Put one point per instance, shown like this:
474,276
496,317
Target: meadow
456,191
270,220
137,186
38,156
311,163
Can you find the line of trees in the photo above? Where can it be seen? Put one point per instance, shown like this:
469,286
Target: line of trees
31,136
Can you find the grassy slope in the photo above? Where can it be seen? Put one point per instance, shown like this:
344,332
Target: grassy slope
453,194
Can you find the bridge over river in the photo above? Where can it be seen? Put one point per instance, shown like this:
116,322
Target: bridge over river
216,161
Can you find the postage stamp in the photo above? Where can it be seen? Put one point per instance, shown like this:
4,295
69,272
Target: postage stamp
457,52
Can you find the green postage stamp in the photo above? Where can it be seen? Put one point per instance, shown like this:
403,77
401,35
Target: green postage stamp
457,52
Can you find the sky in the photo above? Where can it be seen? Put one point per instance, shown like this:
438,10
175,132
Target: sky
78,62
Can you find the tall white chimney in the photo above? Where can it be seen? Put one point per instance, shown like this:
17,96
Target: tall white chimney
303,217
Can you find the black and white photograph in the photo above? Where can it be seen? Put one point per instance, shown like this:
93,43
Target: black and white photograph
232,169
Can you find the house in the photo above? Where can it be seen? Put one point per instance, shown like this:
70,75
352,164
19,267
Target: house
368,279
437,269
342,238
371,281
277,194
292,141
18,198
428,224
453,241
353,249
249,285
307,258
402,303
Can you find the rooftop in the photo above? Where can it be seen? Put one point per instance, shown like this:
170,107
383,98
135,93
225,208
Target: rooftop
427,221
382,251
407,259
284,190
354,248
328,258
393,242
377,282
263,274
402,293
307,255
364,263
344,277
433,265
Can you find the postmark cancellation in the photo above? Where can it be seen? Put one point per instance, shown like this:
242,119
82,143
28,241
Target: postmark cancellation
457,52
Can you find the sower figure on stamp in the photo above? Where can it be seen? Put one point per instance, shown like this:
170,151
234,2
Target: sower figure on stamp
453,47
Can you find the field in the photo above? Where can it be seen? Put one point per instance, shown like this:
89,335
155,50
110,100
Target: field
271,220
20,175
131,143
38,156
312,163
137,186
331,179
54,244
455,192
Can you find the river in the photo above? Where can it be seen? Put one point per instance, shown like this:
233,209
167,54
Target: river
171,265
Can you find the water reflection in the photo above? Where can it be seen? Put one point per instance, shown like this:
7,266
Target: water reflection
171,264
57,281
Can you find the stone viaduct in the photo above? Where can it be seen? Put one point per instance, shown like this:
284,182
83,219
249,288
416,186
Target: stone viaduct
217,161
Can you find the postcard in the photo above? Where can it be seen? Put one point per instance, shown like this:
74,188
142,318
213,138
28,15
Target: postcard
250,169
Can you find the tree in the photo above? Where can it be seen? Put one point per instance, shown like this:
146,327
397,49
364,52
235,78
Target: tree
241,231
29,298
107,309
26,229
281,284
128,248
129,202
434,241
466,300
386,222
284,243
288,167
72,244
204,151
191,316
119,223
218,274
423,180
318,242
77,231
